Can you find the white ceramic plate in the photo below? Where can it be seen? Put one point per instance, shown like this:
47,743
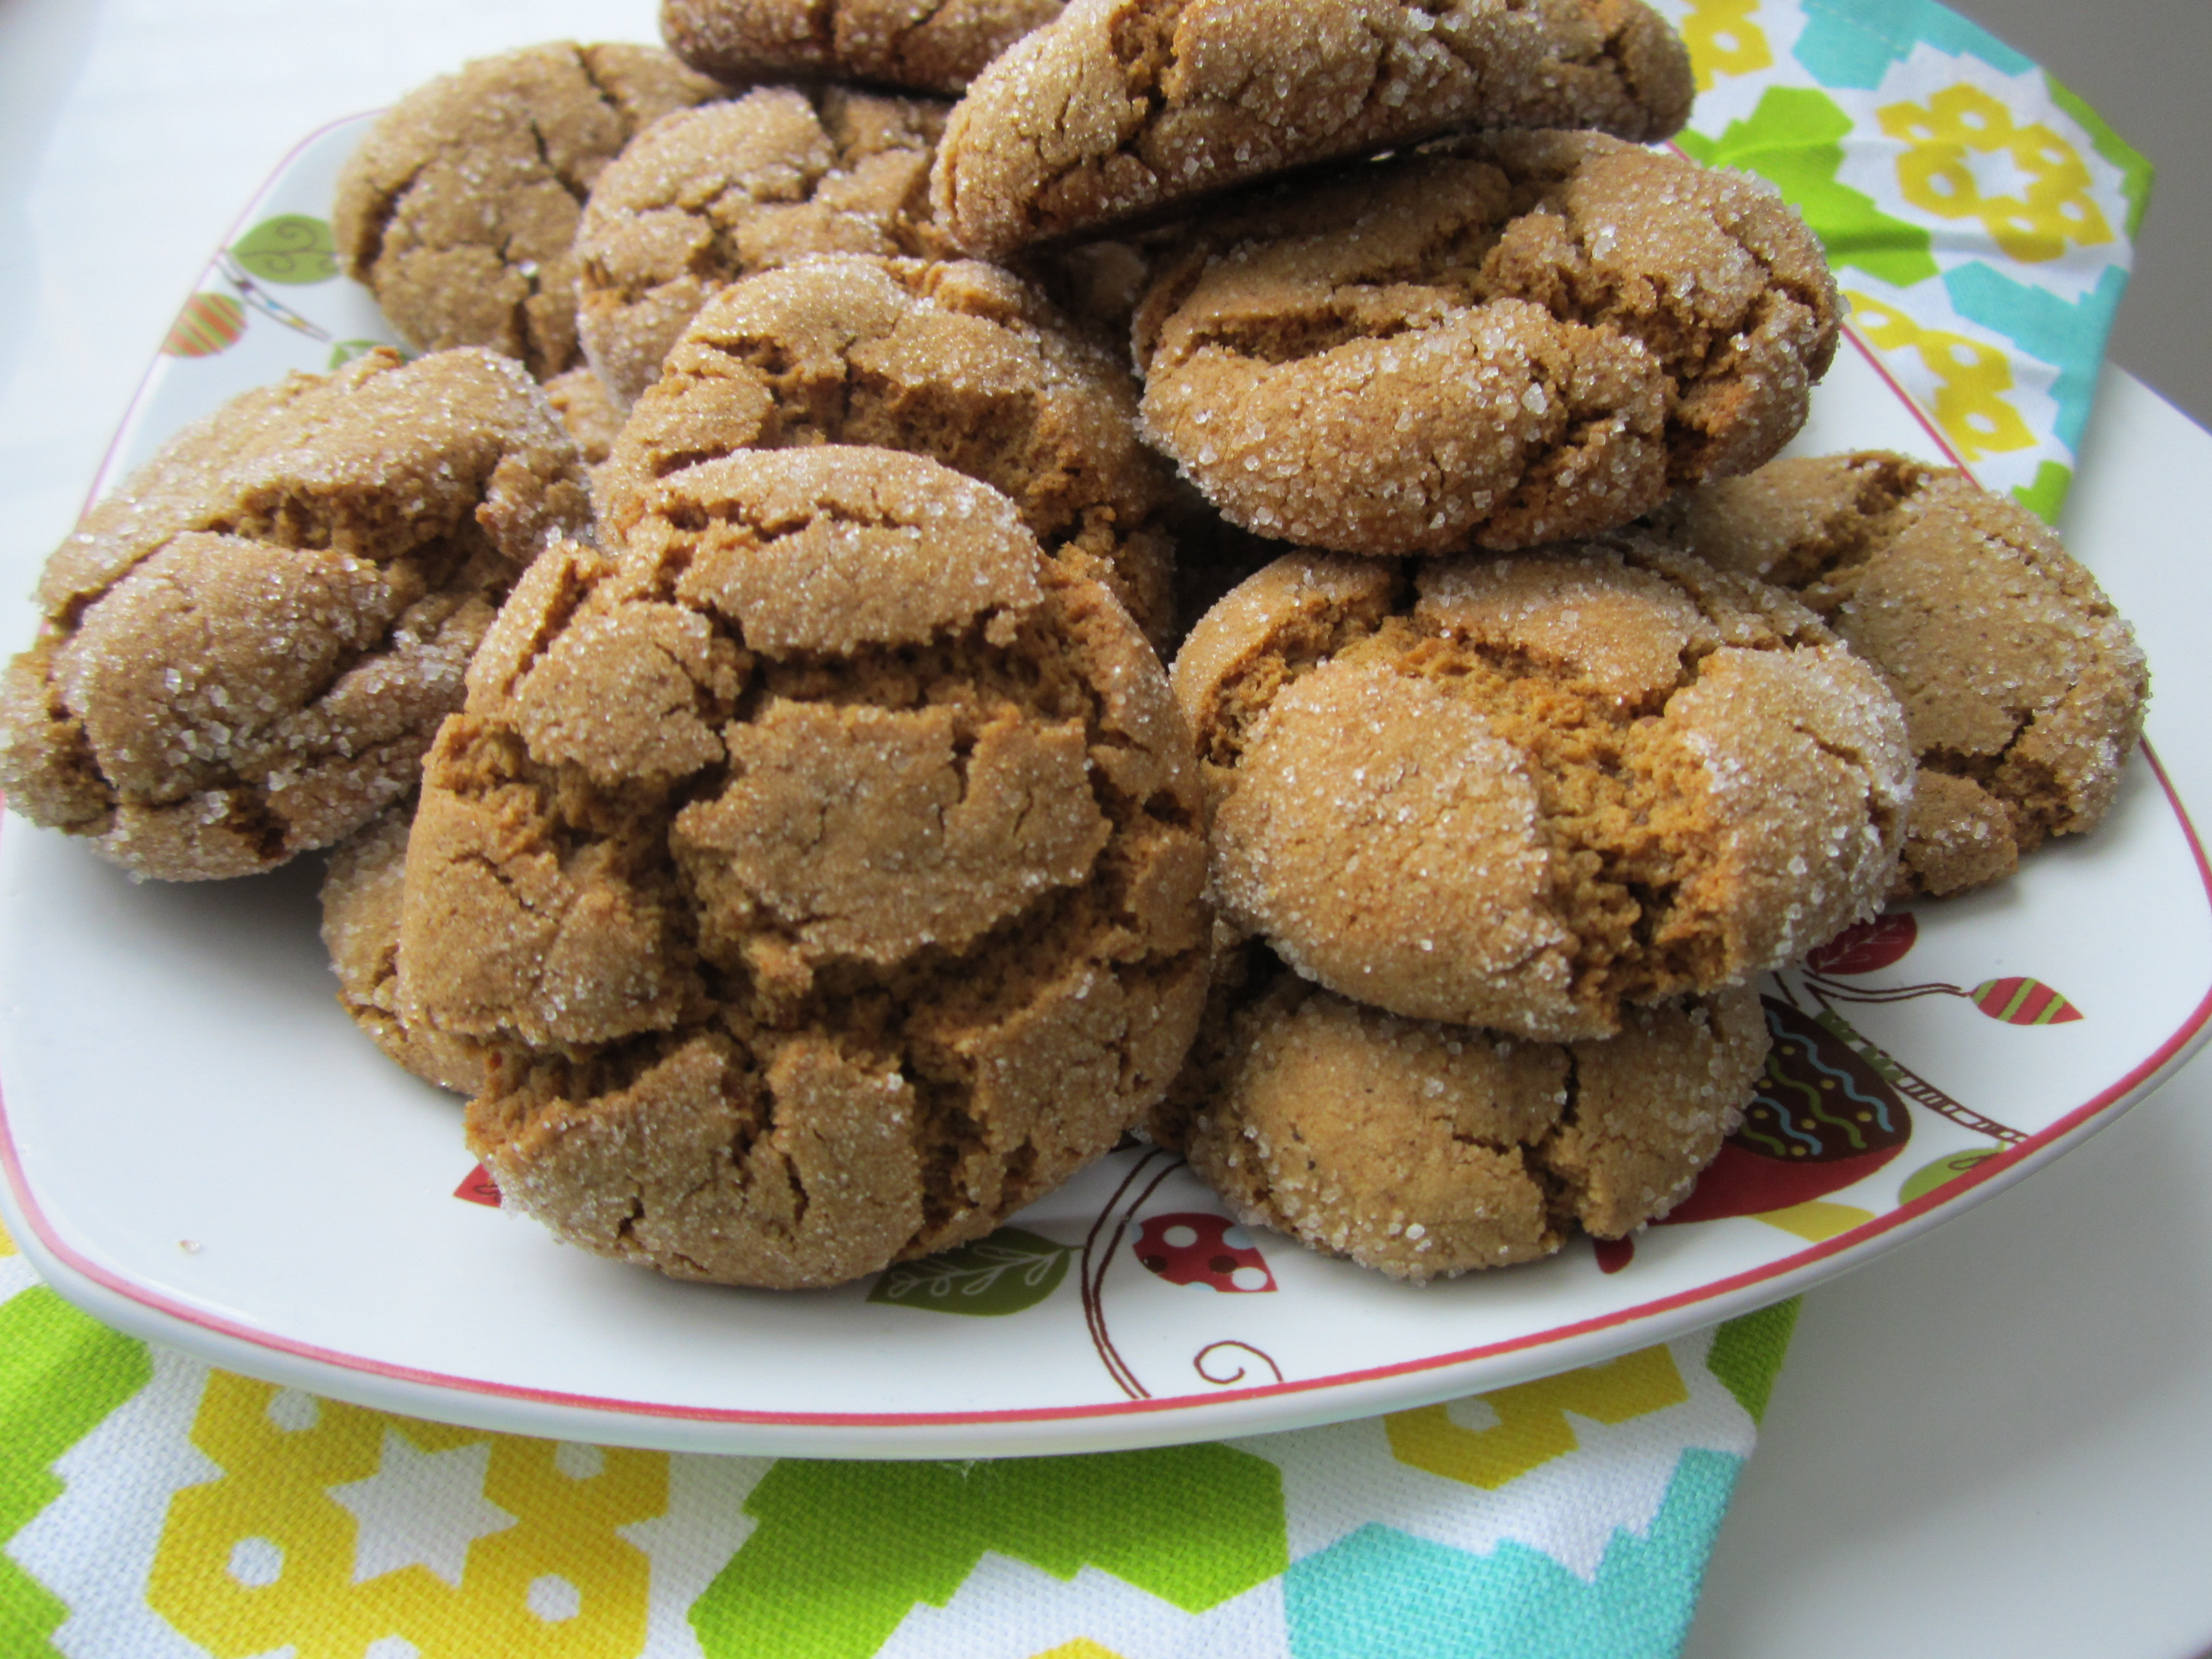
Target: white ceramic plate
200,1148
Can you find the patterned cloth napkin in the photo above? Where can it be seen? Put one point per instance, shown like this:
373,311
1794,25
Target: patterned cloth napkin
1980,219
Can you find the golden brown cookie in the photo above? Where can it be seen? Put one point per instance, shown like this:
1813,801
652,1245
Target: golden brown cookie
1500,344
362,894
901,43
960,361
1425,1150
591,414
1125,107
461,205
2023,689
709,195
838,858
251,641
1523,791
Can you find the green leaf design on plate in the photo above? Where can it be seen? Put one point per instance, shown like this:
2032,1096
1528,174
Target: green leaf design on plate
346,350
1007,1272
292,248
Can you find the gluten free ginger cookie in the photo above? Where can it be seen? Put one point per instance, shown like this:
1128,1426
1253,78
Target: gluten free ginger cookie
961,362
837,858
2023,689
1424,1150
1525,792
1125,108
460,207
901,43
709,195
250,643
1496,344
362,895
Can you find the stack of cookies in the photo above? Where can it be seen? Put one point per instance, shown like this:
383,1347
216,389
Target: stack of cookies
816,863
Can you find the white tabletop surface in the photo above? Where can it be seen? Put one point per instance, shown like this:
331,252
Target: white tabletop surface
1997,1441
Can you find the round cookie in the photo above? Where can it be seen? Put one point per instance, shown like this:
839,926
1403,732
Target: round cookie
1490,344
1424,1151
900,43
1523,792
361,896
708,195
960,361
1129,107
460,207
250,642
2023,689
836,857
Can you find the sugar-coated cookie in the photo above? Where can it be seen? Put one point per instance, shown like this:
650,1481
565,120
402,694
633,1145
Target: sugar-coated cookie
2023,689
1490,344
1525,792
709,195
900,43
362,895
460,206
251,641
1425,1150
961,362
836,857
1124,107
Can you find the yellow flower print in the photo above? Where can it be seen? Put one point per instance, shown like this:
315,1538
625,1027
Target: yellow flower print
1964,137
333,1528
1723,41
1971,379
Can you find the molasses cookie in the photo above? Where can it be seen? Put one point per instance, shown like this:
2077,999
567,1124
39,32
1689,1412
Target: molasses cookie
900,43
1525,792
250,643
836,857
1125,107
362,895
1424,1150
591,415
2023,689
460,207
709,195
1496,343
960,361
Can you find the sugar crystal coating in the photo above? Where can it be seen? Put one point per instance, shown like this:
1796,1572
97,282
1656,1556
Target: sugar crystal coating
708,195
2023,689
961,362
251,641
900,43
825,869
1426,1150
1520,792
460,206
1123,107
1495,343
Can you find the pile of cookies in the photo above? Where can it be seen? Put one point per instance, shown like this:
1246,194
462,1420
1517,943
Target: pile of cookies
728,661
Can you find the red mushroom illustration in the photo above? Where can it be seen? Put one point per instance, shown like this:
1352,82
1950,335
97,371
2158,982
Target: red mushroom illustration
1191,1248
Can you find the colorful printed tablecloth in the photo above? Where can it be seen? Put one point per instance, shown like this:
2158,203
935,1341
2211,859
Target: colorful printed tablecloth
1980,218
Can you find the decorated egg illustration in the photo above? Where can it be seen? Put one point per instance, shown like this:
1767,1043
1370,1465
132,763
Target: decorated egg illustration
208,323
1189,1247
1822,1119
1867,947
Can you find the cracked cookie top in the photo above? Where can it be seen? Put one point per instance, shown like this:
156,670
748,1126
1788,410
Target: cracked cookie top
1425,1150
2023,689
250,642
1495,343
827,866
961,362
1129,107
1523,791
460,207
928,47
362,895
706,196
